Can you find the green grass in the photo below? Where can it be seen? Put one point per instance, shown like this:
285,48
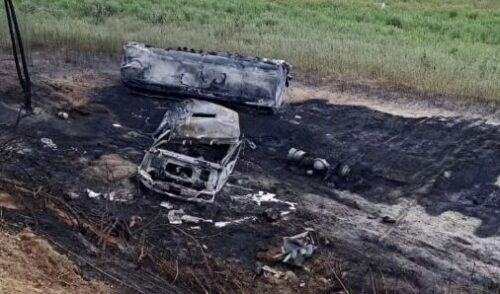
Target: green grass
444,46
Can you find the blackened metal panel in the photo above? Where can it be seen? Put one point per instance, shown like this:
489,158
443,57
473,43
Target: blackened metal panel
215,76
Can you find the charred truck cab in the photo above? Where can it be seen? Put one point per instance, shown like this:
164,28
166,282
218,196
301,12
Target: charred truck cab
194,152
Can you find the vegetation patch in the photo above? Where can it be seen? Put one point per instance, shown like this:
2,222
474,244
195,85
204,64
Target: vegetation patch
450,47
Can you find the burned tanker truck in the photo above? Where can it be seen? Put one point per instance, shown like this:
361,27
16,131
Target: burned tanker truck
219,77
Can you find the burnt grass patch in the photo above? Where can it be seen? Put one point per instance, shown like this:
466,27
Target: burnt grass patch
444,164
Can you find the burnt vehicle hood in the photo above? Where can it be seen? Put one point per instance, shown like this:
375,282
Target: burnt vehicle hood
223,77
199,120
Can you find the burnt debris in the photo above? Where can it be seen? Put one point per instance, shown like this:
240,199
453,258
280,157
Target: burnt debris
195,150
317,166
297,249
222,77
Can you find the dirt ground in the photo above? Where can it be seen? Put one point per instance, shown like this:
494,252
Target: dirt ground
419,213
29,264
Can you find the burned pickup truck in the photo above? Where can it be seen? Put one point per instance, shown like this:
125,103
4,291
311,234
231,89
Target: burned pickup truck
220,77
195,150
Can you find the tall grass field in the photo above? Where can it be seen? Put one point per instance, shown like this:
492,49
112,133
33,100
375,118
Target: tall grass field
442,46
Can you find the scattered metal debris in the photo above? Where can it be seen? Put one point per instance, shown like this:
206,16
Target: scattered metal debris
217,76
73,195
93,194
167,205
302,158
298,248
24,151
116,196
237,221
63,115
121,195
262,197
178,217
194,219
174,216
48,143
195,150
314,165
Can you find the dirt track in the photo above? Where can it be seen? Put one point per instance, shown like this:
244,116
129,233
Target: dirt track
438,177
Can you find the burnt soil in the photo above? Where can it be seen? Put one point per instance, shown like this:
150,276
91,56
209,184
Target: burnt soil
434,178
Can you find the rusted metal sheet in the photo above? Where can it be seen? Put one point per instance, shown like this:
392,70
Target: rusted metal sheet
216,76
195,150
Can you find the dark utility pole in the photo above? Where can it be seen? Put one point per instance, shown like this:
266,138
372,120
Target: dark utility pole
18,49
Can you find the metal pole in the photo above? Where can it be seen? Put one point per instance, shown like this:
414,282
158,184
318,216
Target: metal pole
15,35
14,44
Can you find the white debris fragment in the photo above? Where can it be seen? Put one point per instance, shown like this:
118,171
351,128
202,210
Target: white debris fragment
273,271
37,111
498,182
23,151
117,197
174,216
112,196
48,143
298,117
194,219
178,217
93,194
262,197
63,115
167,205
118,126
447,174
73,195
236,221
270,197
